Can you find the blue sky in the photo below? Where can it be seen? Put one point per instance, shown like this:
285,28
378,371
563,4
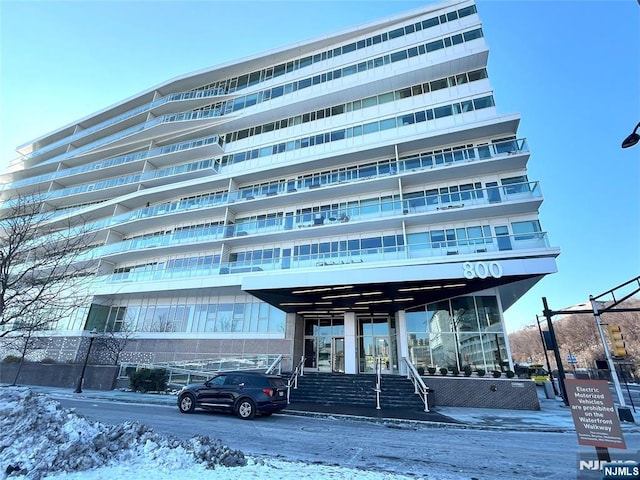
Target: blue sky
570,68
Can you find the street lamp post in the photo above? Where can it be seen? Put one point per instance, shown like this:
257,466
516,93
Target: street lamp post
92,336
633,138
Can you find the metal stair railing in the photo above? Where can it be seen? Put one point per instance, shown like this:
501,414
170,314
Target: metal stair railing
419,387
277,363
293,378
378,388
184,372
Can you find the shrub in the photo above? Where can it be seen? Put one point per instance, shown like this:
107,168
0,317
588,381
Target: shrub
148,380
49,361
510,374
431,370
420,371
455,371
467,370
444,370
496,374
11,359
481,372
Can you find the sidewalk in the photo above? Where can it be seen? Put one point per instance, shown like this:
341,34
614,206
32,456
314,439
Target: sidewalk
553,415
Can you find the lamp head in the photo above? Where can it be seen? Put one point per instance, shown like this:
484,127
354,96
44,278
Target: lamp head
632,139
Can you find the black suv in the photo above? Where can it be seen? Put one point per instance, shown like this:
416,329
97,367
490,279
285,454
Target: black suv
243,393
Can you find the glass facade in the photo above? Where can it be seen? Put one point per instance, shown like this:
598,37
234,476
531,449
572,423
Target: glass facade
213,315
455,333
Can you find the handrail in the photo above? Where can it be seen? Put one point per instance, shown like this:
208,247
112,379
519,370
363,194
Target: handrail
293,378
378,381
276,363
419,386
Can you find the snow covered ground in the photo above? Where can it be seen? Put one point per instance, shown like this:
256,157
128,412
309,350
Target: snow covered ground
39,439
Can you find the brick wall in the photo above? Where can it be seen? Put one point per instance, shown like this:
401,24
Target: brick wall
514,394
96,377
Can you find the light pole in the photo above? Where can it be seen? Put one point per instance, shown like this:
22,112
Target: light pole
92,335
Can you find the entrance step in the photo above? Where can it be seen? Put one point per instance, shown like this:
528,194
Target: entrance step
355,390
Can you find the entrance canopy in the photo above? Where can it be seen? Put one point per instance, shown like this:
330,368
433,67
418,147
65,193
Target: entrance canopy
392,288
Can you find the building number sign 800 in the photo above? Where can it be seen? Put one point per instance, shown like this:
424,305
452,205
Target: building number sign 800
482,270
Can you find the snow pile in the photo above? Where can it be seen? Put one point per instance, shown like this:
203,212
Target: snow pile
39,438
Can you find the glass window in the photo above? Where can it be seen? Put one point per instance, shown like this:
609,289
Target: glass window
370,127
438,317
398,32
386,97
436,45
439,84
472,35
483,102
369,102
437,238
417,321
477,75
443,111
516,184
431,22
526,230
387,124
488,313
466,11
464,314
397,56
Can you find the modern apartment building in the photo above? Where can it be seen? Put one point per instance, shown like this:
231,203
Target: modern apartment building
350,198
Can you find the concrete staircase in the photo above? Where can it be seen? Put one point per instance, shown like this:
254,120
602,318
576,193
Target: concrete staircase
334,389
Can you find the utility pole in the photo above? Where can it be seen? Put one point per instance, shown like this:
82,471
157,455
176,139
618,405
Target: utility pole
556,352
546,356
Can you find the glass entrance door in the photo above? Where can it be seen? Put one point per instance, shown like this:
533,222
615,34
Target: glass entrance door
324,344
338,355
375,342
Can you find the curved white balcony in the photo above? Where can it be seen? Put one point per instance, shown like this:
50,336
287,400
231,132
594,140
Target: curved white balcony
155,153
476,248
146,108
444,208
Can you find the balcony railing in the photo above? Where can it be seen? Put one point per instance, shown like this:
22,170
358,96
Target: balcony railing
126,180
440,202
168,118
477,246
420,162
128,114
119,160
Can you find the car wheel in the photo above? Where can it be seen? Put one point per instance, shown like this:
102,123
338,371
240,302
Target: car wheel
187,403
246,409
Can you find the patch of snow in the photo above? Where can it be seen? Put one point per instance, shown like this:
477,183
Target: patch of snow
39,439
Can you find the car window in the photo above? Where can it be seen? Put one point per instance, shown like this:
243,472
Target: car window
275,382
219,380
234,380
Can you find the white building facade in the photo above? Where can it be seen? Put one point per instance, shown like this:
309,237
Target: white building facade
346,199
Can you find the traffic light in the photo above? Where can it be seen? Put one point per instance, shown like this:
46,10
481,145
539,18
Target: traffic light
617,341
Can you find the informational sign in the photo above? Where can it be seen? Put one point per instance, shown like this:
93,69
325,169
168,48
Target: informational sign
594,413
572,359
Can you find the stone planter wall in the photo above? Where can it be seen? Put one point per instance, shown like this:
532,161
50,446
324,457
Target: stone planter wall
65,375
483,392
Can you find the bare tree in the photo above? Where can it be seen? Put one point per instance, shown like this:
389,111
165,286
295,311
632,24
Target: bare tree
110,345
24,340
42,270
578,334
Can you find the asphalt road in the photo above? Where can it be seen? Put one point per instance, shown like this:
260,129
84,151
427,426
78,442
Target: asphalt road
408,449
